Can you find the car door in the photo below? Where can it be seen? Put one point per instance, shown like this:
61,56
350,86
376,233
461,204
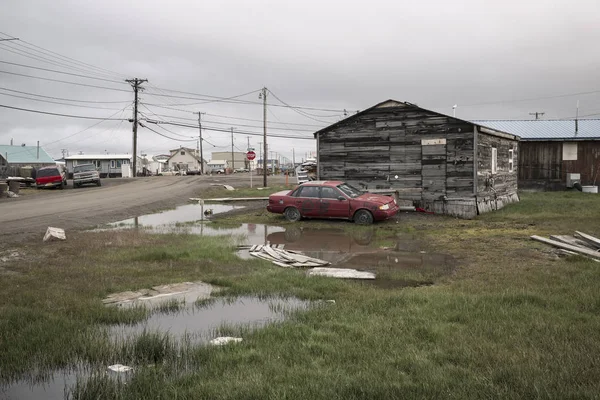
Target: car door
308,201
333,203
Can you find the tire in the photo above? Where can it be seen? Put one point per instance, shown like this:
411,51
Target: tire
363,217
99,183
76,185
292,214
62,185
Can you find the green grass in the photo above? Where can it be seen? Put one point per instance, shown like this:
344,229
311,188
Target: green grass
512,321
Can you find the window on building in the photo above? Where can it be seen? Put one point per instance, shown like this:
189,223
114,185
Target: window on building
97,163
511,154
569,151
112,163
182,153
494,160
118,163
125,161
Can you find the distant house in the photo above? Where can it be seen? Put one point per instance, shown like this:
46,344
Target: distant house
551,149
158,163
185,159
25,156
238,161
437,162
215,165
109,165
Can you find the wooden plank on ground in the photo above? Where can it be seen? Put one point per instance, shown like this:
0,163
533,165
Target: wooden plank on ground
572,241
565,246
594,241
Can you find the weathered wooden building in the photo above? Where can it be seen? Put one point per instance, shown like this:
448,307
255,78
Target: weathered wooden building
440,163
551,149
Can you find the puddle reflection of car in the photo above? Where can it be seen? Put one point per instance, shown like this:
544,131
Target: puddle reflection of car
332,199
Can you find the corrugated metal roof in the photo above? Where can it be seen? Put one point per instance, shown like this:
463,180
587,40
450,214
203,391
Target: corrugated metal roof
25,155
556,129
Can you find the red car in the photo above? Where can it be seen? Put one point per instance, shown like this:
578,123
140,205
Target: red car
50,177
332,199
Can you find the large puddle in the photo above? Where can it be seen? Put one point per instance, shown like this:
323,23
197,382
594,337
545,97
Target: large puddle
397,260
195,322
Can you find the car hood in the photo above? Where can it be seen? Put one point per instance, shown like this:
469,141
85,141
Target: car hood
374,198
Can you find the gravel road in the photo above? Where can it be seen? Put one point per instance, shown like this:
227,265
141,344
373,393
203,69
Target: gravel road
29,216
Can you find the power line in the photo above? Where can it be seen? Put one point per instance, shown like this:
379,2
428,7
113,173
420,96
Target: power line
57,102
51,53
60,72
67,82
303,113
165,136
64,99
60,115
532,99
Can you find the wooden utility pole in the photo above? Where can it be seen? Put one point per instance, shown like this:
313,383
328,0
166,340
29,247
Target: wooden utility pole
200,140
294,159
232,155
263,95
135,84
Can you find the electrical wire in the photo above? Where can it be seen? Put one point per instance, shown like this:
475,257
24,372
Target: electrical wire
60,72
165,136
64,99
61,81
57,102
58,114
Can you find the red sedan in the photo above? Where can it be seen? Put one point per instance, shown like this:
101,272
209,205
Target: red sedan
332,199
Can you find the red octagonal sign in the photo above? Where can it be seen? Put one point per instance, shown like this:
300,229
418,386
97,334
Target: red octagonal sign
250,155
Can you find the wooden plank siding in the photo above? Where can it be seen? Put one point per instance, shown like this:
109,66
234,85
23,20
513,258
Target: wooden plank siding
426,157
541,164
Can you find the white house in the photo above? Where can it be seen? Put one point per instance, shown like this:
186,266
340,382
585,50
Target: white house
215,165
109,165
185,159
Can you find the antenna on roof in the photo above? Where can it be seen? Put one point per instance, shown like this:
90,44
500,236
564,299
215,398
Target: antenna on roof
577,119
454,110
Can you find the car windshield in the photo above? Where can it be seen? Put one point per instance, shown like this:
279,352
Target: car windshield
84,168
47,172
350,191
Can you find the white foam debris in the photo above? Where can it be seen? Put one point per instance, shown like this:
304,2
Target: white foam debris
220,341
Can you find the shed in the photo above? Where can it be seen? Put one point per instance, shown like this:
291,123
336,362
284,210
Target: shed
109,165
440,163
551,149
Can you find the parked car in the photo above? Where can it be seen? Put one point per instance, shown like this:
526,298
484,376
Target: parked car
218,171
240,170
84,174
48,177
332,199
193,172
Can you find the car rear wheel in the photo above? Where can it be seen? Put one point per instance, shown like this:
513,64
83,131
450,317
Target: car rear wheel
62,185
363,217
292,214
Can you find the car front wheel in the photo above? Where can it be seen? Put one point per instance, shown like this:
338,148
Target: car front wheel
292,214
363,217
99,183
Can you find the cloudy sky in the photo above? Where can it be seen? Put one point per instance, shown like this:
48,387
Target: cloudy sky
494,59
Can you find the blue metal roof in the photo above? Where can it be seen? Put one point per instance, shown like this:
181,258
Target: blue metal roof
557,129
25,155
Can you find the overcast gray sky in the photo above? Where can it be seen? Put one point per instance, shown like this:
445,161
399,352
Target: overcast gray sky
484,56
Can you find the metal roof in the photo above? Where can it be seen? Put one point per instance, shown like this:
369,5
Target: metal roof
25,155
554,129
99,157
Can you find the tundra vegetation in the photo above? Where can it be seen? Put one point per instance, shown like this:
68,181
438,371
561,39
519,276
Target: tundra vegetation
514,320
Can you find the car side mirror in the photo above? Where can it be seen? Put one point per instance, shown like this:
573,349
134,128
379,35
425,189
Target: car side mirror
341,198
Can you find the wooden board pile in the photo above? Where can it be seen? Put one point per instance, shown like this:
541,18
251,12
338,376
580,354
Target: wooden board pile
284,258
579,244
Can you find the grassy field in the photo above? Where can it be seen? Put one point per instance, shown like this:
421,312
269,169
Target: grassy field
513,321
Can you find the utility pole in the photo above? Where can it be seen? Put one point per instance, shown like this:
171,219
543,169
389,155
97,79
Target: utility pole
232,155
537,114
248,161
64,151
135,83
200,140
260,154
263,95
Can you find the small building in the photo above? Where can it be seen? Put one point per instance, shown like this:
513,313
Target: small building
549,150
215,165
437,162
25,156
109,165
185,159
238,161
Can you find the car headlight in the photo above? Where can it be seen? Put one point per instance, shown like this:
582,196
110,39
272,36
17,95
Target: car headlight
384,207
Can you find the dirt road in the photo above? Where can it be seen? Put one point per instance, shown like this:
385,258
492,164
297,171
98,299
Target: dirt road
29,217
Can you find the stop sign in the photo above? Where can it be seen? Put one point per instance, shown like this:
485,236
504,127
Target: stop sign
250,155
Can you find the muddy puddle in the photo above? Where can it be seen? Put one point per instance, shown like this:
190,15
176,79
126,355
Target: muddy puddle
190,322
397,260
